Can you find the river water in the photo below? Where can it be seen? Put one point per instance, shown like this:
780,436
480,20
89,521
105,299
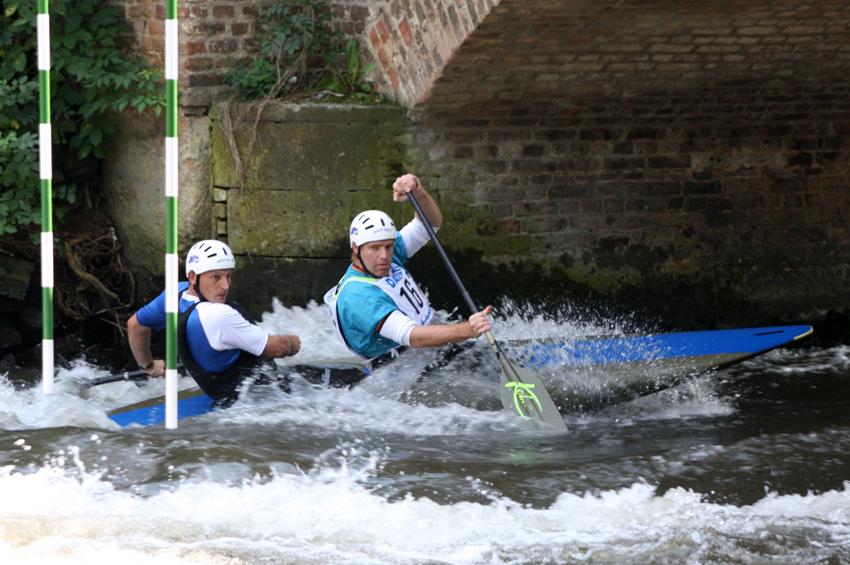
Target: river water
744,465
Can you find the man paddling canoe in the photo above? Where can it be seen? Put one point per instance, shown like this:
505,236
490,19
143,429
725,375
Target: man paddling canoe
377,307
219,343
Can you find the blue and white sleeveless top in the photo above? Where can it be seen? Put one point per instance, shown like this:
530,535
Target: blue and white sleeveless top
217,334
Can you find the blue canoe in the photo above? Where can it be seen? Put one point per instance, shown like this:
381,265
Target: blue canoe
637,364
701,350
594,372
191,402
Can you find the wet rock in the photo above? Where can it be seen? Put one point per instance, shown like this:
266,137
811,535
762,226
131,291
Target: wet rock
72,345
15,277
30,319
7,362
30,358
9,334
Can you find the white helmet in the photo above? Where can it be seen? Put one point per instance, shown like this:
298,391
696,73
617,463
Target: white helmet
209,255
371,225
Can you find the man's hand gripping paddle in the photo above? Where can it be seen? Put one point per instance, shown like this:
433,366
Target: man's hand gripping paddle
139,377
521,391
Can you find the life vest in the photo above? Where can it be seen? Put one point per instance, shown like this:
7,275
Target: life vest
221,386
402,290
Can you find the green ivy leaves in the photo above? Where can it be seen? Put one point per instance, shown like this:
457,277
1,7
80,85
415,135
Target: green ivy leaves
90,76
292,39
289,37
349,81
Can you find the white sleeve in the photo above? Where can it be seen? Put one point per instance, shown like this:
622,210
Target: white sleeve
397,327
227,329
415,236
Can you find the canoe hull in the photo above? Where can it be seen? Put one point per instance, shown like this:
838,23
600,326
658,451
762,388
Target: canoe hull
578,373
191,402
585,372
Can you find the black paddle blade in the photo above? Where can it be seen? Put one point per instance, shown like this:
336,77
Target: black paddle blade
524,394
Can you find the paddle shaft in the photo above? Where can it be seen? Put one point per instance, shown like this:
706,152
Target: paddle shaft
125,376
520,390
433,235
469,301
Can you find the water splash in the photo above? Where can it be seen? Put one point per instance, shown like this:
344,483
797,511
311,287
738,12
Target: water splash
328,516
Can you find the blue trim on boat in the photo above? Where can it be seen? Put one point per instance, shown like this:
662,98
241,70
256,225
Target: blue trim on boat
155,415
750,341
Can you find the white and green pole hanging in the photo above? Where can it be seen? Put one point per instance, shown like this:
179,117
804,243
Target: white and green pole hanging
45,162
171,190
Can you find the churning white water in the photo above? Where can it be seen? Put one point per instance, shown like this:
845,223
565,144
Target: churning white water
746,465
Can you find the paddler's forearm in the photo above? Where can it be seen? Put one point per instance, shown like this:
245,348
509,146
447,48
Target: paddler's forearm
139,338
282,346
439,334
429,207
435,336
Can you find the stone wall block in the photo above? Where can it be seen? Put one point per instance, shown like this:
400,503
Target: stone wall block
132,178
314,167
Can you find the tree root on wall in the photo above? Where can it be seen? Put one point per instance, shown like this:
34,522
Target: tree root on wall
97,281
93,288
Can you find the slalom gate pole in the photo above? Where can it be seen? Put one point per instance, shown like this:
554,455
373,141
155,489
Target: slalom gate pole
171,190
45,162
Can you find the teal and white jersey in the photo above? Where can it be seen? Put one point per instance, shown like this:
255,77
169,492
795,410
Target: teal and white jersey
360,302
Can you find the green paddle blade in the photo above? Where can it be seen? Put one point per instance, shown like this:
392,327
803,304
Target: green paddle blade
525,395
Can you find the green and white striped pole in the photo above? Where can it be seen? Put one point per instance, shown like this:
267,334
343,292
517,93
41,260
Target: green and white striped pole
45,162
171,189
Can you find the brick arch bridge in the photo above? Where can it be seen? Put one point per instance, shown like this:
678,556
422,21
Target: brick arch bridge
638,141
643,143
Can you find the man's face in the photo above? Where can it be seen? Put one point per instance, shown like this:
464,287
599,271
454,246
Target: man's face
377,256
214,285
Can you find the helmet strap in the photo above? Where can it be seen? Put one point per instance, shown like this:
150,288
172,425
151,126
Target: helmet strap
363,265
197,288
200,296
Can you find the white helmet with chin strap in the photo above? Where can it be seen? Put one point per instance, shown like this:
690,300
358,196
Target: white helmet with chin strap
209,255
371,225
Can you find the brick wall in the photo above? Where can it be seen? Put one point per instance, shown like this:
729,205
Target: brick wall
212,35
664,171
409,42
630,142
646,142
